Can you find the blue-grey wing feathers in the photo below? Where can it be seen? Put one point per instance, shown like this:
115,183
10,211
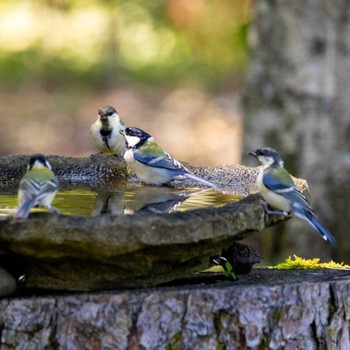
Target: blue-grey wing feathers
163,161
300,206
33,192
24,209
167,162
287,190
307,214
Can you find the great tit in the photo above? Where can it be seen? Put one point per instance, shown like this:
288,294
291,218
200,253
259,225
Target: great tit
37,187
107,131
227,266
150,163
279,191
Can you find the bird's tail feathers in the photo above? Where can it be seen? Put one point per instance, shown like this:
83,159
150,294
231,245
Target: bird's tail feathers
24,209
205,182
307,214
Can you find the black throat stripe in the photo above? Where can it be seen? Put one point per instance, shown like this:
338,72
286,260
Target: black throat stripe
106,134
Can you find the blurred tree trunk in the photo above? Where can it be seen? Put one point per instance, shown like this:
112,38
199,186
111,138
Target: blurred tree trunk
298,101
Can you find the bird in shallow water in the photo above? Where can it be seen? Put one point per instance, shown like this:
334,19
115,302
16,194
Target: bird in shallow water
279,191
107,131
151,164
37,187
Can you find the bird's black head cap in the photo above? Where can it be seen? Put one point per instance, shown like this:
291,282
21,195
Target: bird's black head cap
38,158
106,111
133,134
267,152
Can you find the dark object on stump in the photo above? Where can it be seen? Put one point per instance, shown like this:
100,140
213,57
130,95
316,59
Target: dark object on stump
240,256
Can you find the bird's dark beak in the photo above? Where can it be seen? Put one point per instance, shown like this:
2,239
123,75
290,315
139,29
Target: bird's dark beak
253,154
103,118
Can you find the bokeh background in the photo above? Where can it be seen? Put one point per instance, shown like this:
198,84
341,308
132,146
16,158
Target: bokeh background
178,69
172,67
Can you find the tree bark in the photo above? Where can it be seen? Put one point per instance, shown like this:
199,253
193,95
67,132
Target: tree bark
297,101
266,309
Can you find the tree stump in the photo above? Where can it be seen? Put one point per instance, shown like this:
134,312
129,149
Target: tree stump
267,309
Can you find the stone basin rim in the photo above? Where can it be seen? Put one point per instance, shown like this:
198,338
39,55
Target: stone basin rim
129,232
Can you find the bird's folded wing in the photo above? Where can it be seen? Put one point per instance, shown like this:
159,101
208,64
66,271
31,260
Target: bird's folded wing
285,188
33,188
164,161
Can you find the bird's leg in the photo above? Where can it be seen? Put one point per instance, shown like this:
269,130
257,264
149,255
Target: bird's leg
53,209
271,212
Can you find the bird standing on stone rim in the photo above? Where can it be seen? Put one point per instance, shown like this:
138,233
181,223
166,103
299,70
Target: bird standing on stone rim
151,164
107,131
278,189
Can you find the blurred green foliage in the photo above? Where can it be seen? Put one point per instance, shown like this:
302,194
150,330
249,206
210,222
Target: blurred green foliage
107,42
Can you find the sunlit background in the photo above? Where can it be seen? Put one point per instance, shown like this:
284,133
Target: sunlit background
175,68
172,67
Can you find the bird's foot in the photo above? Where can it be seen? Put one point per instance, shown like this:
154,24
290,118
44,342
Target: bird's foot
53,209
268,212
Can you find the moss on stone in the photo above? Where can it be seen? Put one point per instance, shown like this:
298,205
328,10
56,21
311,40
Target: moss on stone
299,263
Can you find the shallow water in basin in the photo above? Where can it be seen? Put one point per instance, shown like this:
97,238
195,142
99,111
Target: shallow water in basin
88,202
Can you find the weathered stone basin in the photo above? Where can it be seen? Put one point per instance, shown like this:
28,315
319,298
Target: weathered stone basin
62,252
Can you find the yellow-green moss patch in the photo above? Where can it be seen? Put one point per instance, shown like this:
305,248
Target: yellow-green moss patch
297,262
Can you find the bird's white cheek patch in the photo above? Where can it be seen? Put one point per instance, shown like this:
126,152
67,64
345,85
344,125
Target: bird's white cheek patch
132,141
266,161
37,164
114,119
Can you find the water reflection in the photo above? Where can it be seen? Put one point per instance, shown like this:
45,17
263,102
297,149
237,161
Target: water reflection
116,200
108,203
158,199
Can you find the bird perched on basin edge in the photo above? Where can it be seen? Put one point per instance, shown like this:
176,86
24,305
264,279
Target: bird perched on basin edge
278,189
107,131
150,163
37,187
